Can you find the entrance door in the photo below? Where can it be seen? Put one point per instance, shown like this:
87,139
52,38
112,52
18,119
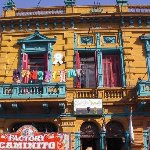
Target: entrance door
114,143
114,136
89,143
89,136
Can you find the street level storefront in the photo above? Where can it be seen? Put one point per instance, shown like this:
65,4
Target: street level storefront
27,137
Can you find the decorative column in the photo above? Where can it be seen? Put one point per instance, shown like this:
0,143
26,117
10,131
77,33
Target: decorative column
139,21
49,57
99,61
54,23
20,25
3,27
145,136
148,22
72,23
75,40
63,23
37,24
77,141
131,22
99,65
127,141
46,24
12,25
146,39
122,60
102,140
122,21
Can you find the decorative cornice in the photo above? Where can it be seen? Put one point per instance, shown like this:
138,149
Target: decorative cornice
36,37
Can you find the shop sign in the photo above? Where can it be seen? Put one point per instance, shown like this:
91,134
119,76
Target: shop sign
27,137
87,106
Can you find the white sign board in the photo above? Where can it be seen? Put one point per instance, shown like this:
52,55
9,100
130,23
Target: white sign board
88,106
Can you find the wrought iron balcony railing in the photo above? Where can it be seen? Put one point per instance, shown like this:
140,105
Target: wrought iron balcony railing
139,8
106,94
143,88
41,11
43,90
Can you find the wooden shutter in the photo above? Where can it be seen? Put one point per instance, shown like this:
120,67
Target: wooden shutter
25,61
46,62
78,83
111,70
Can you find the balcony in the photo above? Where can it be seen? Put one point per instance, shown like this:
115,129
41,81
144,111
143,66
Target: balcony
41,11
143,88
139,8
43,90
106,94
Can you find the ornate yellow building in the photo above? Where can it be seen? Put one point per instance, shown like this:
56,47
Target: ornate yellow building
83,70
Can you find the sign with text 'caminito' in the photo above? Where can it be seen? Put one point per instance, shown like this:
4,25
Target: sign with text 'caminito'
27,137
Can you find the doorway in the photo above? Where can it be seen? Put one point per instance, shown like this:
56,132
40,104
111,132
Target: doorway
89,143
89,136
115,136
114,143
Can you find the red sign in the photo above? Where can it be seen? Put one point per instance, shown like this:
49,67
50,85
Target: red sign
27,137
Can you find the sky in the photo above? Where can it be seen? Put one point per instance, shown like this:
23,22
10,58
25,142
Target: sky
46,3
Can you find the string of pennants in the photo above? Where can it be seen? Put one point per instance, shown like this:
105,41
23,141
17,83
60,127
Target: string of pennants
33,76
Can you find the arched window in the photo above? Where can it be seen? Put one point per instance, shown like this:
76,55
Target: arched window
90,137
114,129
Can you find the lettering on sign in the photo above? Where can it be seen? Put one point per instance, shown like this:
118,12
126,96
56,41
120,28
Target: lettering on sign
27,137
67,123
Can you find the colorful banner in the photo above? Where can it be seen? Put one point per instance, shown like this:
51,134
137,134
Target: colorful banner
27,137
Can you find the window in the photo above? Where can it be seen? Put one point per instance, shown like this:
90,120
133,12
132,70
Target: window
36,62
111,70
35,49
86,62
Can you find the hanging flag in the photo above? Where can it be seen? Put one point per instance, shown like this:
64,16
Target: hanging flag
131,128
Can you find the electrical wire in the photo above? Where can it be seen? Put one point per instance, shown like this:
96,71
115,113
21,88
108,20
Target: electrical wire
39,3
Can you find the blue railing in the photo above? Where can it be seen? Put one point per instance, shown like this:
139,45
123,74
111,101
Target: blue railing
42,90
143,88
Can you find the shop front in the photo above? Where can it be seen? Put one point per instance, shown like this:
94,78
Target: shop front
28,137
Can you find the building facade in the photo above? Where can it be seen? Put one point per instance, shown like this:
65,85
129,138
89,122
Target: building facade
82,70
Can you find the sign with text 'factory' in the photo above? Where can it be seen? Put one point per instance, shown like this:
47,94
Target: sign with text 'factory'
27,137
87,106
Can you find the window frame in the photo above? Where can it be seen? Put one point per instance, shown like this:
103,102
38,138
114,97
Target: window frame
45,46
